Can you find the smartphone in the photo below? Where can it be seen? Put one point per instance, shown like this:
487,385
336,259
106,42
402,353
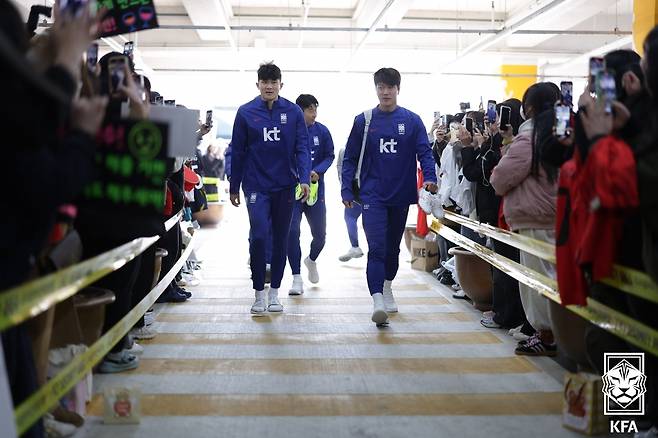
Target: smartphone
491,111
72,7
159,100
596,66
437,115
468,122
209,118
606,89
92,57
128,49
170,102
505,115
117,72
566,89
562,123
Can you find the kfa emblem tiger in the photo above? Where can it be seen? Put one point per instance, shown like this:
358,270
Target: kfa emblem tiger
624,384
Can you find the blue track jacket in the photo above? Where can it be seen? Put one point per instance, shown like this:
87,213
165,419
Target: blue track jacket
388,173
270,148
322,150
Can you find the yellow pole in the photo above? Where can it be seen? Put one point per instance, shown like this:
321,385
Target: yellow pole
518,77
645,17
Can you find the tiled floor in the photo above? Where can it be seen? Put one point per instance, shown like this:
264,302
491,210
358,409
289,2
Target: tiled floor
322,369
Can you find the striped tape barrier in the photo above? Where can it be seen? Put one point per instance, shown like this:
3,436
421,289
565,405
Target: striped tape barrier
30,299
626,279
597,313
49,395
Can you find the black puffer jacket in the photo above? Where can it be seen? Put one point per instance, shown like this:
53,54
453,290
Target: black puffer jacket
477,166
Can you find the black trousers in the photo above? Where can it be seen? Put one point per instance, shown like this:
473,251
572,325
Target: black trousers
144,279
506,299
121,282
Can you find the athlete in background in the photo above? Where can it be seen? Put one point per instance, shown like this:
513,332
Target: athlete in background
322,155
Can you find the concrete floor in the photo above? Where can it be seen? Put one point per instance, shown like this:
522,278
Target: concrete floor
322,369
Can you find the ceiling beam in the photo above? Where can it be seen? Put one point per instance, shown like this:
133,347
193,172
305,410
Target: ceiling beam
211,13
621,43
526,17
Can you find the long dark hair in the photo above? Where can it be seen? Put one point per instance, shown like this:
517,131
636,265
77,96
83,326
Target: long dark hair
651,56
541,98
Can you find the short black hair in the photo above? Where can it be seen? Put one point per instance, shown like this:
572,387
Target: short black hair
388,76
306,100
269,72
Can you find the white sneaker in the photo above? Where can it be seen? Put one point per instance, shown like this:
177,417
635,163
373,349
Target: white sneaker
143,333
430,203
259,305
379,315
149,319
312,267
354,253
389,301
273,304
57,429
297,287
515,330
136,349
520,336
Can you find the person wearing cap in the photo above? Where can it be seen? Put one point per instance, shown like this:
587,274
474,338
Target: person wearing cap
270,158
395,140
321,146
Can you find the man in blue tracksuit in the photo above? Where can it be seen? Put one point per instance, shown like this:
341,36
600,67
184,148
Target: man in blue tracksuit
270,157
395,140
322,155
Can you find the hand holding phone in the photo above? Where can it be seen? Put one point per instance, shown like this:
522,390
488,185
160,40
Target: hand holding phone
92,58
566,90
209,118
491,111
562,125
505,115
596,66
116,73
128,49
468,123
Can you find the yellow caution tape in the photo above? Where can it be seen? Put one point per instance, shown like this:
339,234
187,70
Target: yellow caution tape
210,180
604,317
173,220
543,250
30,299
49,395
626,279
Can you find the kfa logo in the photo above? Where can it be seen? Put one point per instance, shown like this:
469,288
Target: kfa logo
387,147
284,118
316,140
401,128
624,384
271,135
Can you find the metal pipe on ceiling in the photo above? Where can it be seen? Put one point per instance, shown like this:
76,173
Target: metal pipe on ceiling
394,30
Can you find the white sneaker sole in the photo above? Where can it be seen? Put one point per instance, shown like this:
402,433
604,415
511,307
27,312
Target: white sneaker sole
313,275
275,308
258,310
379,317
391,310
295,292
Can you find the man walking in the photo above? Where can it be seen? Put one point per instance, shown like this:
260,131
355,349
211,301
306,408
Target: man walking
270,157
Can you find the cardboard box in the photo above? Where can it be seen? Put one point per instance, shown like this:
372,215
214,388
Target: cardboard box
424,255
582,405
